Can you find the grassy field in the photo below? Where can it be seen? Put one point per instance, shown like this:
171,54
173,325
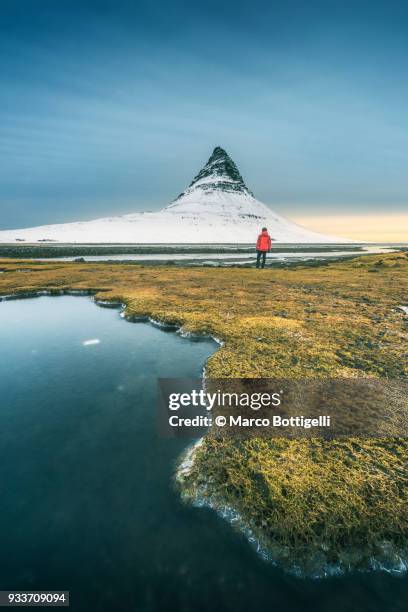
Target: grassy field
310,503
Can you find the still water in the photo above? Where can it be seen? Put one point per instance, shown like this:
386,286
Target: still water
86,496
289,254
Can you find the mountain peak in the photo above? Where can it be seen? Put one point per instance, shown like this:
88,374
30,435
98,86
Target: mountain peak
220,173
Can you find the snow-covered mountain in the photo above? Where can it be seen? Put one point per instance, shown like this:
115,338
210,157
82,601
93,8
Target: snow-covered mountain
217,207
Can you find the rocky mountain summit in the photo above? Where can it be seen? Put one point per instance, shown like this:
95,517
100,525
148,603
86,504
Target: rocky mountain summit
221,173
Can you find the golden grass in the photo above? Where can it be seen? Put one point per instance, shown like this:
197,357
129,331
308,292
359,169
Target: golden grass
324,502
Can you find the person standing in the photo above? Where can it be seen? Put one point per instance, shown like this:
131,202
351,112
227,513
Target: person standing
263,246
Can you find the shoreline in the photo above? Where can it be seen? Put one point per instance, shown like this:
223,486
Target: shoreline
394,561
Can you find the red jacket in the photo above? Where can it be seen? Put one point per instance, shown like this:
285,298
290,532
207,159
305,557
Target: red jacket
264,242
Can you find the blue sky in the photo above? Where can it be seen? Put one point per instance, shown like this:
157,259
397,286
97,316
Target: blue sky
109,107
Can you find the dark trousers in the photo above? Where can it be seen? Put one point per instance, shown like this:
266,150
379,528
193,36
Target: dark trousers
260,255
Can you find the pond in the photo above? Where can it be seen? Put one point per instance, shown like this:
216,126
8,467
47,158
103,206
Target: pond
87,497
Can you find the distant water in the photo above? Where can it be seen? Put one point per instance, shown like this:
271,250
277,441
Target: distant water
284,254
86,496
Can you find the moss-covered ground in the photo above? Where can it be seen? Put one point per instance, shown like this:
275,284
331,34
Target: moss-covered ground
321,503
